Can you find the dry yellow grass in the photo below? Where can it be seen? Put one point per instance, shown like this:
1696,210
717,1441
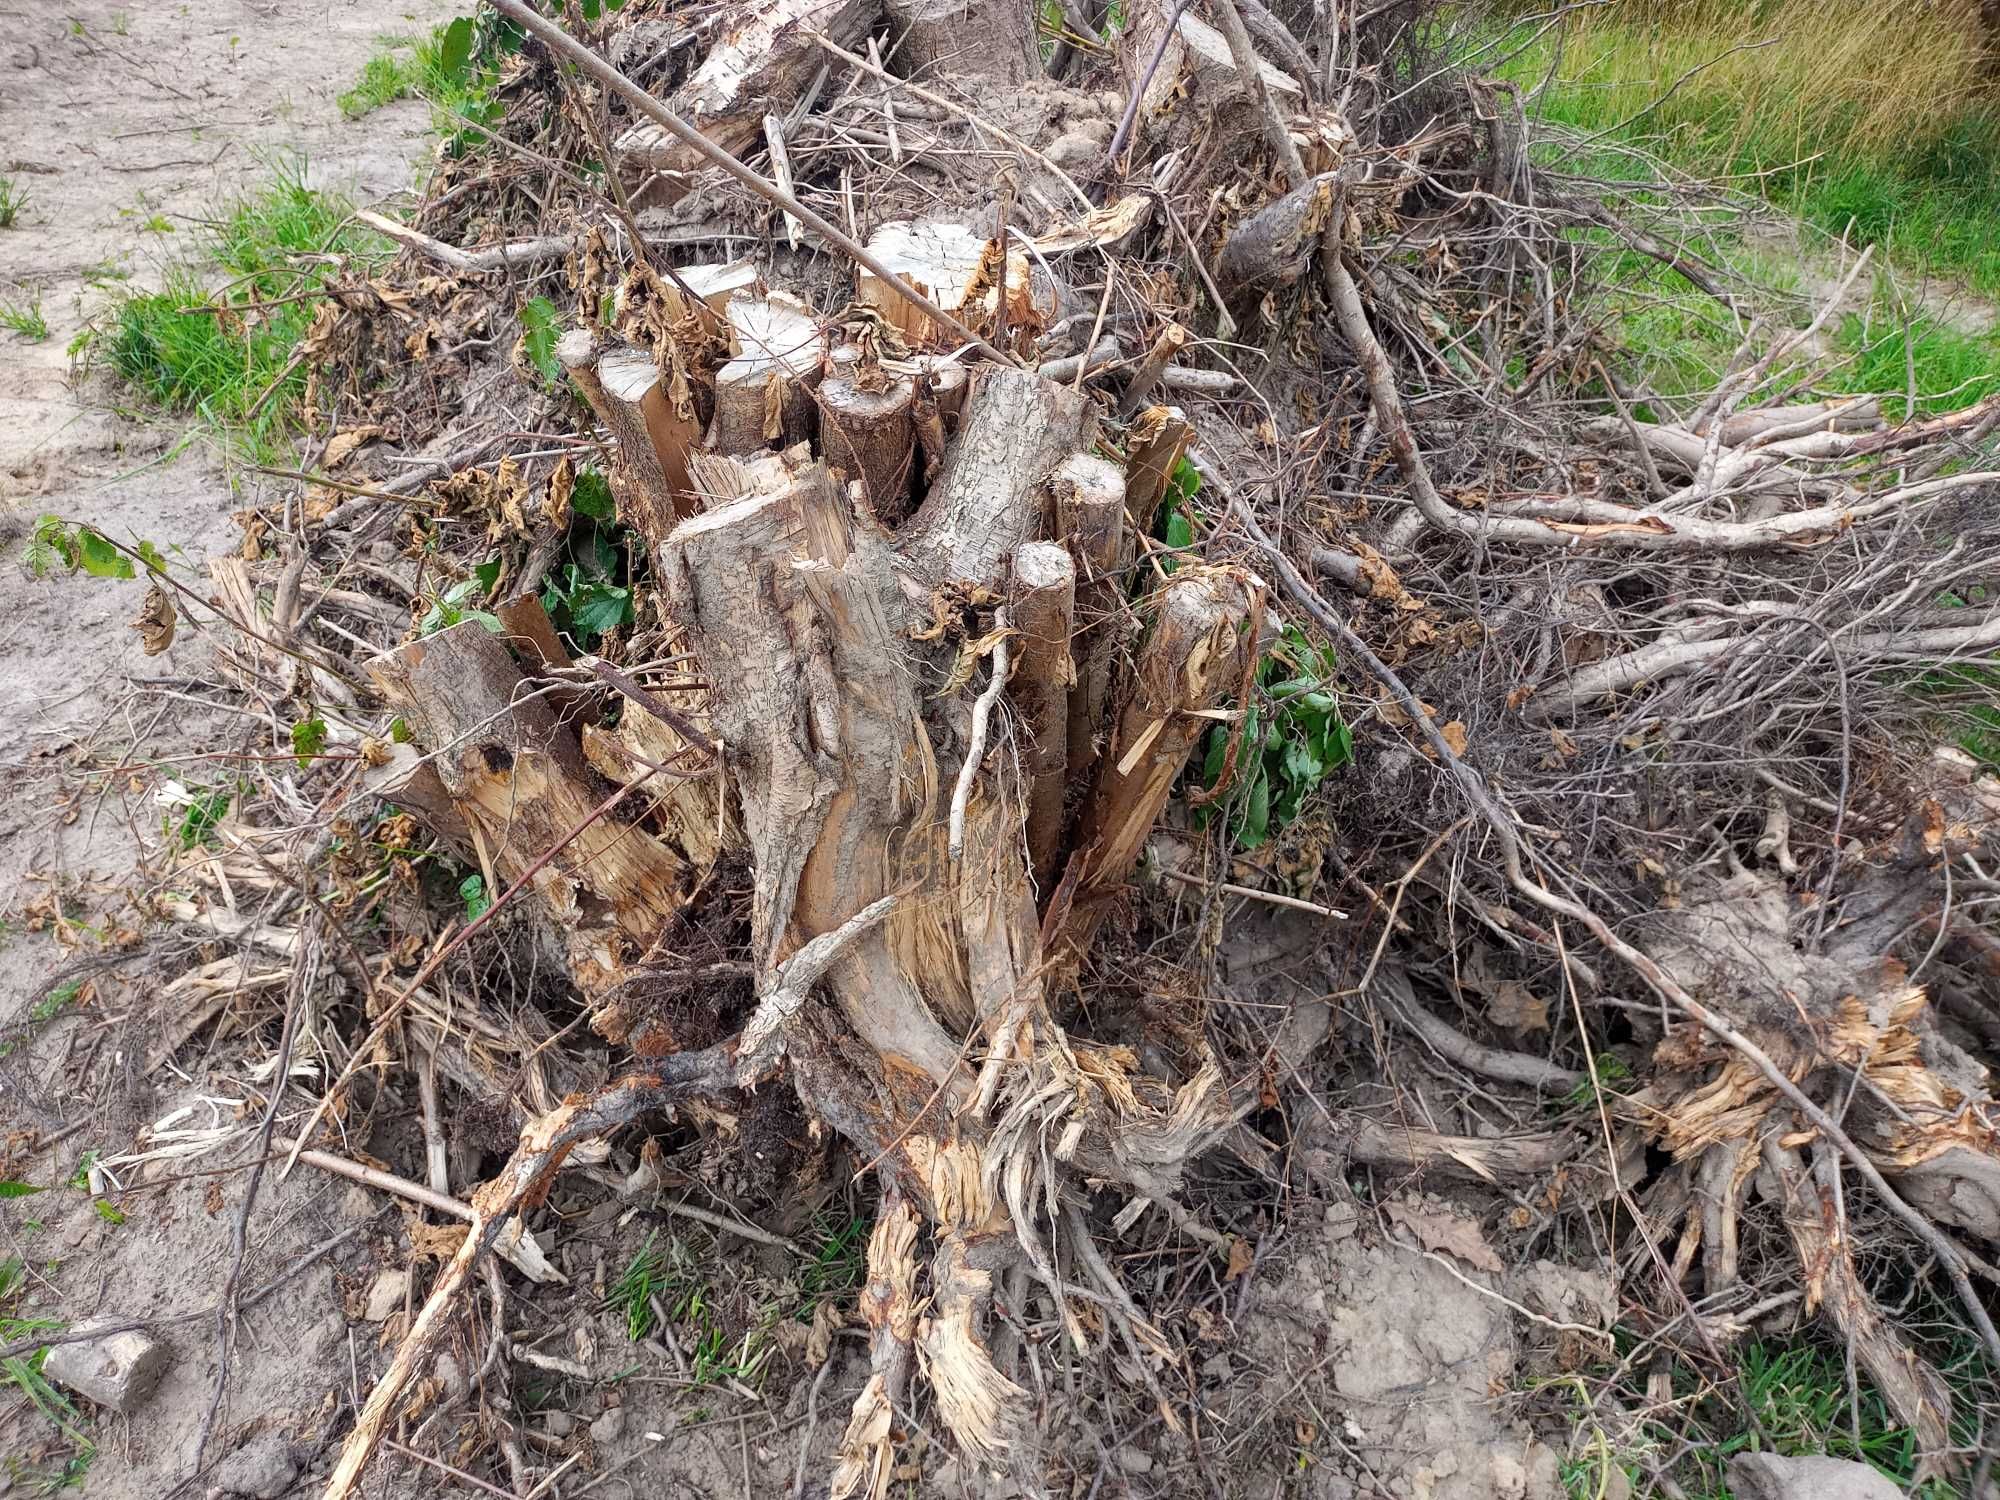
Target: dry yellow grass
1874,75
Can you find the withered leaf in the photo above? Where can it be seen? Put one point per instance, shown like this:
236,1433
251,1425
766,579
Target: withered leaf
156,620
1446,1231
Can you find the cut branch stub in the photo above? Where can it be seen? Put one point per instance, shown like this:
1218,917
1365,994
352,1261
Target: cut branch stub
765,62
518,779
651,433
1273,247
996,42
1044,613
713,286
1159,436
1091,513
987,499
947,263
866,432
1196,68
763,396
1192,660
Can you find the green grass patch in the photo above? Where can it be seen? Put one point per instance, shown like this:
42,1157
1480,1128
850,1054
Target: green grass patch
1926,190
1946,369
24,1374
1800,1395
220,339
454,69
12,200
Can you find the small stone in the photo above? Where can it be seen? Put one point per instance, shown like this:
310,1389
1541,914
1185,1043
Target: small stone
456,1386
386,1296
117,1371
558,1424
357,1203
608,1428
1766,1476
1134,1460
263,1468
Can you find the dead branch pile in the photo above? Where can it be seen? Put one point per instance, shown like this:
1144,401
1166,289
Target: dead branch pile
896,328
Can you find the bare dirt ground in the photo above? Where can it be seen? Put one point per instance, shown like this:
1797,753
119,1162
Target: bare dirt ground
121,124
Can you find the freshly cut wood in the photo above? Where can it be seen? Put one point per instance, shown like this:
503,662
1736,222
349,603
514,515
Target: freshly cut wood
1090,499
1196,66
650,432
763,64
953,266
643,407
1193,659
987,499
1044,613
720,479
763,396
995,42
409,780
517,778
866,431
713,285
1154,445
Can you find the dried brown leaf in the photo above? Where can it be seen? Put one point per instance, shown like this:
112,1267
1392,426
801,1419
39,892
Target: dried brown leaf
1446,1231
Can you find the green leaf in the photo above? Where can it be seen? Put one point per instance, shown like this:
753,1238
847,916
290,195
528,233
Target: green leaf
455,50
150,555
99,558
472,891
538,326
598,608
592,497
1179,533
488,574
106,1212
490,621
399,730
308,739
1256,813
591,9
18,1189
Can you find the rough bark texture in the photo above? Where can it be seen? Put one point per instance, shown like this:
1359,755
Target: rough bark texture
1193,659
986,500
867,434
955,36
766,62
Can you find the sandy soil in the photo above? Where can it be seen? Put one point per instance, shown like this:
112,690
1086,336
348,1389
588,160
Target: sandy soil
113,120
119,123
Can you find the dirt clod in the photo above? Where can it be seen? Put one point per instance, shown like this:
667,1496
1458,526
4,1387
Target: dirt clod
262,1468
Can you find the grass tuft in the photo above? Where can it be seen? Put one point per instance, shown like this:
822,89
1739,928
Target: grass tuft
431,69
230,357
24,316
12,200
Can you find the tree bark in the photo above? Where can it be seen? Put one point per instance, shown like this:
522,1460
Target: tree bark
993,41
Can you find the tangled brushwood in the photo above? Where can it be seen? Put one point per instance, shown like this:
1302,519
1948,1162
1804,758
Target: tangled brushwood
981,473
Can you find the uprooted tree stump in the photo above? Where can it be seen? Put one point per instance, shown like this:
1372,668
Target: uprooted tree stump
935,765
